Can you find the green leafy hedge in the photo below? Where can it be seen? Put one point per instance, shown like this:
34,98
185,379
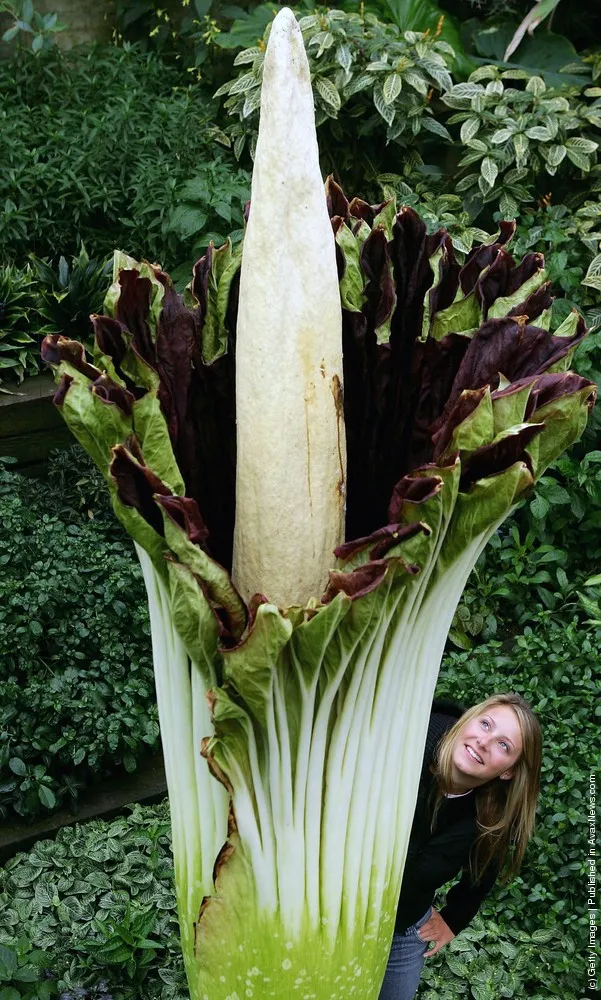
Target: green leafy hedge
76,683
41,299
113,147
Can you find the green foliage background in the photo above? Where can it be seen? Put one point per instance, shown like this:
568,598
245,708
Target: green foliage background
76,683
125,145
101,145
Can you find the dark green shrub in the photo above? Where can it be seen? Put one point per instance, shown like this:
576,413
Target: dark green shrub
538,561
19,350
125,944
67,293
98,145
76,682
373,86
77,490
569,240
68,893
23,972
41,299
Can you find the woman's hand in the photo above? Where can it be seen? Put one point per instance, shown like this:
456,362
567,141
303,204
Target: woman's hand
435,929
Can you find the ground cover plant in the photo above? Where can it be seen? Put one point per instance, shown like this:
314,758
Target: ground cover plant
464,457
73,641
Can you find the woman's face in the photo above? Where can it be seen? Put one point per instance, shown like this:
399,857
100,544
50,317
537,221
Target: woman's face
486,748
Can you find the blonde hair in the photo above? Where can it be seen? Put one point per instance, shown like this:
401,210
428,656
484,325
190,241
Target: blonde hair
505,809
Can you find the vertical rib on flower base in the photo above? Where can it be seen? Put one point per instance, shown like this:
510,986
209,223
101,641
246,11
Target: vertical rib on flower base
288,349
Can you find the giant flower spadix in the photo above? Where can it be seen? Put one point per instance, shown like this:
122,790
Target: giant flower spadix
293,719
288,349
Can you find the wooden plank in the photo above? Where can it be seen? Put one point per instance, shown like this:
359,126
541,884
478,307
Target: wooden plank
37,387
30,424
34,446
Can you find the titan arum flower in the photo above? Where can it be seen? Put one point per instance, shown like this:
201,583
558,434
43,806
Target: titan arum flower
294,701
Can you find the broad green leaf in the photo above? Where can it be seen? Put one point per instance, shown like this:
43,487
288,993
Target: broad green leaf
392,87
431,124
9,993
582,145
494,88
187,220
252,102
465,91
386,111
520,143
536,85
483,73
478,144
344,57
246,56
328,92
469,129
593,275
8,958
46,796
543,935
416,80
579,159
540,133
539,508
489,170
378,66
554,155
243,84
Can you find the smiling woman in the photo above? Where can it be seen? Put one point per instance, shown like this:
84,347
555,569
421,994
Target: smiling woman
486,747
474,814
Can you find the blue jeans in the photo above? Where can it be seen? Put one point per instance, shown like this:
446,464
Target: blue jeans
405,963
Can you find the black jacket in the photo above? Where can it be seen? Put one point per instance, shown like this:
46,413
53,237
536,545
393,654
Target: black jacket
436,856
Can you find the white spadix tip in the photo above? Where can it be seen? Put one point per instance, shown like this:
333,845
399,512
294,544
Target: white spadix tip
291,453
